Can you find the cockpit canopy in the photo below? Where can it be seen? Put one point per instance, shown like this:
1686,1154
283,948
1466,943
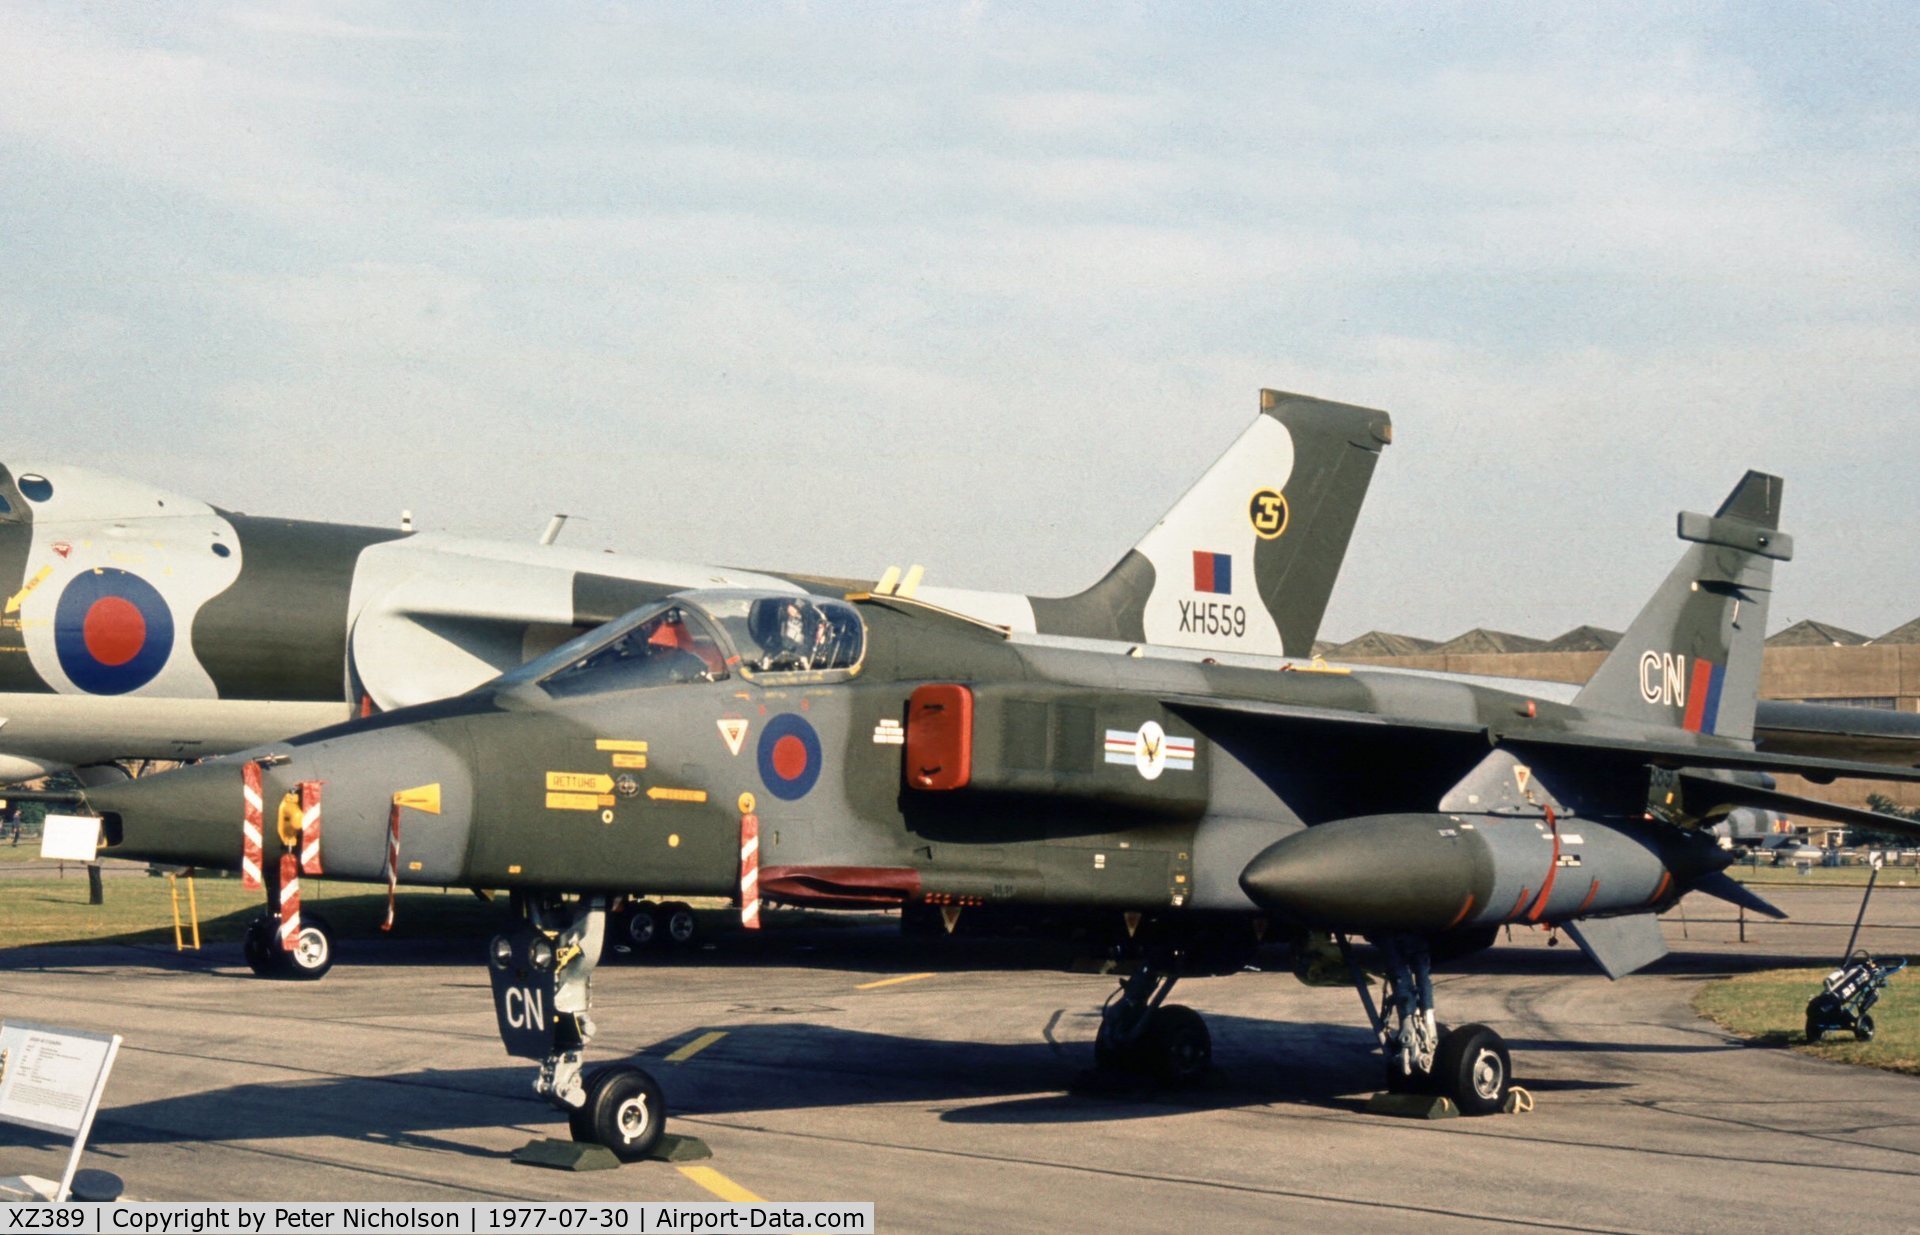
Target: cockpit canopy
703,637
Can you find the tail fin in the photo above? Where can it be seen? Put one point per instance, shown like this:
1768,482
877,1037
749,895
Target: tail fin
1692,658
1246,560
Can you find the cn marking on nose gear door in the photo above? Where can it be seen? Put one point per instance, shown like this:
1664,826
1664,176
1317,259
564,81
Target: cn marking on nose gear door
1268,513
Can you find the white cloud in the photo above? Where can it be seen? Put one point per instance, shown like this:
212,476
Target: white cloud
983,288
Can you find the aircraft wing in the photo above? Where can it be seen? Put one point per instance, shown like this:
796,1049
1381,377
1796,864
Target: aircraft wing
1656,753
1686,755
1828,730
1705,793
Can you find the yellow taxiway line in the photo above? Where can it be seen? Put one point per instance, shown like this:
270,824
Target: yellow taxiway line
694,1047
718,1184
911,977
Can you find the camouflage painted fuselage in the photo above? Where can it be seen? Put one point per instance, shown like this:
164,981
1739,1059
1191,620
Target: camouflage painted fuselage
1093,779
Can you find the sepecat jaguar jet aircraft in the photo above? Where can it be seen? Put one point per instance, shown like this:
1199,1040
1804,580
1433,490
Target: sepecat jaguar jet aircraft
882,751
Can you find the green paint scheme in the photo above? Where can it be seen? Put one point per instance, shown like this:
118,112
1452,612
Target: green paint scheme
884,752
1061,808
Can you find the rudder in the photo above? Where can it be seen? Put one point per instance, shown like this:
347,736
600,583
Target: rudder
1246,560
1691,659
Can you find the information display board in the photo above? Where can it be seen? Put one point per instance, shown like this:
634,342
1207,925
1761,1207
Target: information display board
51,1079
71,838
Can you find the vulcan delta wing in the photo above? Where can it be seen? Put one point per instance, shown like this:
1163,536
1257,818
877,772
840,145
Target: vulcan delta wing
878,751
143,624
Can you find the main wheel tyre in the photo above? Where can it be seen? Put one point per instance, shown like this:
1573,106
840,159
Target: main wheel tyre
311,955
625,1111
1863,1029
642,926
258,947
1178,1047
1110,1054
677,924
1473,1068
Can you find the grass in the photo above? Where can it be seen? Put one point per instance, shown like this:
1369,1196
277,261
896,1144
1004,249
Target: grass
1770,1008
1824,876
138,910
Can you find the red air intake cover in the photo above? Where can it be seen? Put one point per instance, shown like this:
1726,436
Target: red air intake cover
940,737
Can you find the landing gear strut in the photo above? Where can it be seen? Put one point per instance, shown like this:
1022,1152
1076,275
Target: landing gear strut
1141,1033
542,973
1470,1064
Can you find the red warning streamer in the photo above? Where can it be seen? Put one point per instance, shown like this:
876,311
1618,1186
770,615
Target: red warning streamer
289,901
393,862
252,827
750,871
310,828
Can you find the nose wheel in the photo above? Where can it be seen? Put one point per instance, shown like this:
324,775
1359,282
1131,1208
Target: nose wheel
625,1111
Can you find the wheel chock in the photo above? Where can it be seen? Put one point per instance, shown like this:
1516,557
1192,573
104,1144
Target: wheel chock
566,1155
1412,1105
1517,1102
675,1148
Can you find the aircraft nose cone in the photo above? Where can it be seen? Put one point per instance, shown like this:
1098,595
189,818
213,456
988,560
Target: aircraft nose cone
1382,873
190,816
193,816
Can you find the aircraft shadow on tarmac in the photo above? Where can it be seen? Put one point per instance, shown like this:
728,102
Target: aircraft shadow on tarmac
861,948
769,1067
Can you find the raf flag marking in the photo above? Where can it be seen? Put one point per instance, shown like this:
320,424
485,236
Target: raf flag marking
1212,572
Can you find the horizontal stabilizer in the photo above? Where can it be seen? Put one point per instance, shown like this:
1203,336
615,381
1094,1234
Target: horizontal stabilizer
1722,886
1704,793
1620,946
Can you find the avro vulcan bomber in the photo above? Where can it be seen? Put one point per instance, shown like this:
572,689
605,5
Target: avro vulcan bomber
881,751
141,624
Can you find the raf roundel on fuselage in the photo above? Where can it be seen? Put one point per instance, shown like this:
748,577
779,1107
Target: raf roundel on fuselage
112,630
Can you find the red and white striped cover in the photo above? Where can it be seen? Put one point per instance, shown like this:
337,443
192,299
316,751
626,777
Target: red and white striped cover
252,827
289,901
393,862
310,828
750,871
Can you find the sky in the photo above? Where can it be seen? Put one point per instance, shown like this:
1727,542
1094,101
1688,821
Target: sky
986,286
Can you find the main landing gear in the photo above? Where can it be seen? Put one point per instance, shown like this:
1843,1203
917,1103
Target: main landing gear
542,974
638,926
1469,1064
1142,1034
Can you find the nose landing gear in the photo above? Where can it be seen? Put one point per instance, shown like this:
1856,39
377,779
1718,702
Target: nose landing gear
542,975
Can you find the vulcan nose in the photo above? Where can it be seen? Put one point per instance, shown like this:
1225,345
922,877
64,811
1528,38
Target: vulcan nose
190,816
1387,872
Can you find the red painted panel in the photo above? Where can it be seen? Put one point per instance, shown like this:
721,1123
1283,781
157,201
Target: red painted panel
940,737
840,887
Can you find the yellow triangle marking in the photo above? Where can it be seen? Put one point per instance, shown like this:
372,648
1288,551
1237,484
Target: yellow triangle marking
423,798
